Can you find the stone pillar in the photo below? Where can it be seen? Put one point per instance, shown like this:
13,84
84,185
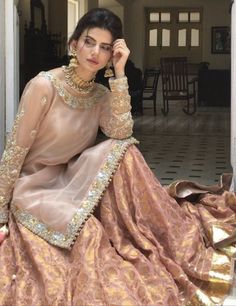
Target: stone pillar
2,76
11,61
233,94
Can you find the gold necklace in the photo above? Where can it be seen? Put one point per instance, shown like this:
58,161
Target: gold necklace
74,81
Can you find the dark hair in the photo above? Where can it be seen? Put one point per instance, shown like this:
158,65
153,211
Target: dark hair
98,18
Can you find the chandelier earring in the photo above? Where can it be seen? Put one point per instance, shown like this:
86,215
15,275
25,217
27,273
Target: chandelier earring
108,72
73,61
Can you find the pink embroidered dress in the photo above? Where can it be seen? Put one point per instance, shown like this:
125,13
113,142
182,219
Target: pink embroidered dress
90,224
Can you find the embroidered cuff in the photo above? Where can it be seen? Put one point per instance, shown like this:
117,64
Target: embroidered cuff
120,84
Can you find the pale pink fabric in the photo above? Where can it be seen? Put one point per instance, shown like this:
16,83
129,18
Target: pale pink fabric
54,179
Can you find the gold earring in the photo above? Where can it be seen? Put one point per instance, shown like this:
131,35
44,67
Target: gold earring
108,72
73,61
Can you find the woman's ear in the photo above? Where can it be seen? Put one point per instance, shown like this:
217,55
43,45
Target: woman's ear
73,45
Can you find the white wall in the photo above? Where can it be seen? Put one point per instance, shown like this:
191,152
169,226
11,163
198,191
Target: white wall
114,6
215,13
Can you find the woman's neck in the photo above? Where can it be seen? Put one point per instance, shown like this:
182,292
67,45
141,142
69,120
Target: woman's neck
76,82
84,74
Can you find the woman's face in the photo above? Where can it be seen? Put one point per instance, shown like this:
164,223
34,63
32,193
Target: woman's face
94,49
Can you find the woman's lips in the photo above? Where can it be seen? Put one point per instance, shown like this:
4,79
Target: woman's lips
92,61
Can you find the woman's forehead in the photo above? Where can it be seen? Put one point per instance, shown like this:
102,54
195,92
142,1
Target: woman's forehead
99,34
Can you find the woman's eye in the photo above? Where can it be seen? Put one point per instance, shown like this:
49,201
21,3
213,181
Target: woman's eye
89,42
106,48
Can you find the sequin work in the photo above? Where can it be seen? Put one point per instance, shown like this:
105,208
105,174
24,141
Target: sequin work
87,206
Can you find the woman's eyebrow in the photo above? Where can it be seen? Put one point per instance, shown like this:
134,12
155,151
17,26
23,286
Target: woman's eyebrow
103,43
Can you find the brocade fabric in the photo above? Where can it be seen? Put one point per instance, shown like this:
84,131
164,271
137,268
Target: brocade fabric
140,247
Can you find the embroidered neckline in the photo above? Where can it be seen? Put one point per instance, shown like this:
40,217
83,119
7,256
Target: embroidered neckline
87,206
83,101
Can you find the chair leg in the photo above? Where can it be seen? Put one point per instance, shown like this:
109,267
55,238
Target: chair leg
165,108
188,112
195,103
141,105
154,106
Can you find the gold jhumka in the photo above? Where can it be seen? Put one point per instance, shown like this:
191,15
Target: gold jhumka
74,81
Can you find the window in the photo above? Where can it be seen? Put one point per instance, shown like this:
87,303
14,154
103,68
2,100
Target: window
165,17
165,38
173,31
160,17
182,38
154,17
189,16
194,37
153,38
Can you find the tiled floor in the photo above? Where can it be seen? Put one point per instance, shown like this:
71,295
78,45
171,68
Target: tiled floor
188,147
179,146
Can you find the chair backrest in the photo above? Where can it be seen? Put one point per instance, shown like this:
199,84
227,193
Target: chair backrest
150,80
174,74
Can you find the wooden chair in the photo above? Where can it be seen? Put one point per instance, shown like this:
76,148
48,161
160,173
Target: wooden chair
176,84
149,88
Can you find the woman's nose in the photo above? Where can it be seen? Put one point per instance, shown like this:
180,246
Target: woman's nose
96,49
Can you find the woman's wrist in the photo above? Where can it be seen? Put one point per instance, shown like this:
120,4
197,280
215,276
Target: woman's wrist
119,74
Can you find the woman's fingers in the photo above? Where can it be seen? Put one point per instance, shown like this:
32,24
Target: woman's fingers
120,48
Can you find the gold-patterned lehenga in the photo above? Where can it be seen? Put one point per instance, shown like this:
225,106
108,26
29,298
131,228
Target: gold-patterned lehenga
90,224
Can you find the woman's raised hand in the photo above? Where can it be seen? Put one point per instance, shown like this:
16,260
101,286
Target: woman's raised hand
120,55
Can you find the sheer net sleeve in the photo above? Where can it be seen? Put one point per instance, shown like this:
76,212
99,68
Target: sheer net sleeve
116,120
32,108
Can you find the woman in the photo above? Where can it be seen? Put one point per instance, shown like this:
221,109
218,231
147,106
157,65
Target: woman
140,247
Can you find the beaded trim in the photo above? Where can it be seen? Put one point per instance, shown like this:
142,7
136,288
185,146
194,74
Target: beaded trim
81,102
87,206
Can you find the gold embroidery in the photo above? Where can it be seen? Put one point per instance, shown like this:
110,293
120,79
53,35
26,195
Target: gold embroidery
121,98
218,285
3,216
33,133
3,200
87,206
120,84
118,124
81,102
118,130
200,299
12,156
229,250
10,166
220,264
43,100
